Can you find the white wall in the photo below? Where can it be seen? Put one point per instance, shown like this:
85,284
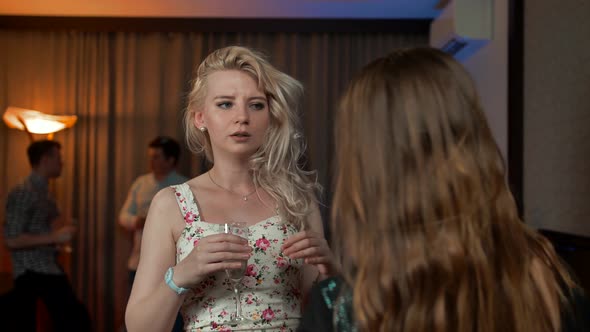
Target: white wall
557,115
556,133
489,68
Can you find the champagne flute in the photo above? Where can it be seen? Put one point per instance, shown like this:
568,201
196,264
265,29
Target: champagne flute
67,247
236,275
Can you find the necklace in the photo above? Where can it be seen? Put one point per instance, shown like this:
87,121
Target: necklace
244,197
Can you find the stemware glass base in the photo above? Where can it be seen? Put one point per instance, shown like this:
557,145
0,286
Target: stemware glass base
237,321
237,318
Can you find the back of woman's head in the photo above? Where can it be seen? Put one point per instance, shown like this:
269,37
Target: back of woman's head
432,236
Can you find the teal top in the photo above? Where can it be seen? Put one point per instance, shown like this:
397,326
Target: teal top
330,309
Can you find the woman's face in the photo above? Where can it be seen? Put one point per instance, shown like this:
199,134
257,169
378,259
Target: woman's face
235,113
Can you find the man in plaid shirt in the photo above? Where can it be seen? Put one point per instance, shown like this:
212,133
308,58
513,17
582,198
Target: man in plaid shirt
30,212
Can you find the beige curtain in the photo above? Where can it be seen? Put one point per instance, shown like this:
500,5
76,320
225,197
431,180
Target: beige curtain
126,88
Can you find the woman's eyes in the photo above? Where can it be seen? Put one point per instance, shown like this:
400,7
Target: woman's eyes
257,106
226,105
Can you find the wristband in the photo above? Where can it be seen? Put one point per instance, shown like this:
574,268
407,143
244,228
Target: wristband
168,278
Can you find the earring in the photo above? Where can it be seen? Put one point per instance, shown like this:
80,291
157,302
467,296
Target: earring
203,129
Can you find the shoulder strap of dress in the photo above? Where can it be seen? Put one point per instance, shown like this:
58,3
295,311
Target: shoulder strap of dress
186,202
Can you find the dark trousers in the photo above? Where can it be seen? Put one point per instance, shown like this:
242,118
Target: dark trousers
178,323
66,312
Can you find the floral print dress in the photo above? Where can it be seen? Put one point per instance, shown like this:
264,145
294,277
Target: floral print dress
270,293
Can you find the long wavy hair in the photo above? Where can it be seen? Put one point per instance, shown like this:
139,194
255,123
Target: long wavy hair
276,165
422,214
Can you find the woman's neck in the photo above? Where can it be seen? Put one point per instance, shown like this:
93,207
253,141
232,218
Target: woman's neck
232,176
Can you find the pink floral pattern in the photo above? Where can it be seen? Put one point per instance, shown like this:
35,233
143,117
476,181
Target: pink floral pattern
268,314
261,244
270,288
189,217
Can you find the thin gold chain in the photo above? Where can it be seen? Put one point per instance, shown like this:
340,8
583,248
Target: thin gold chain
244,197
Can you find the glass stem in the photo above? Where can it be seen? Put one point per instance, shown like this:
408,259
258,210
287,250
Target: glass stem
238,303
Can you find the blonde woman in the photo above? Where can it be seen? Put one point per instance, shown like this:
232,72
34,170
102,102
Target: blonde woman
242,115
423,217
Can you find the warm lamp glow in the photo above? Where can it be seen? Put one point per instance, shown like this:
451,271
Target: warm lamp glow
36,122
43,126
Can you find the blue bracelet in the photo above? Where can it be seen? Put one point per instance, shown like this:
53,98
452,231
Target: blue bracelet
168,278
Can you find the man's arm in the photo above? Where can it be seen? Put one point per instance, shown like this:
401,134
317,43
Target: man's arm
27,240
18,205
128,217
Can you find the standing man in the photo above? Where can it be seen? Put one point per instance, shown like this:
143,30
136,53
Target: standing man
163,155
30,213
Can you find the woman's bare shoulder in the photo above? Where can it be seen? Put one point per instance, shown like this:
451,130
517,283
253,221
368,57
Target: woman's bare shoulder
164,198
165,211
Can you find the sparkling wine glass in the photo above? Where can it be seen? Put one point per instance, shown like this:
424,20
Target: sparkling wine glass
236,275
67,247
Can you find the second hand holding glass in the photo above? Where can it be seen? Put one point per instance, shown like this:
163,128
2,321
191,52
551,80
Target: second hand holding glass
236,275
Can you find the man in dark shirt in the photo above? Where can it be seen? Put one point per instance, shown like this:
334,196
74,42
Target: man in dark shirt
30,213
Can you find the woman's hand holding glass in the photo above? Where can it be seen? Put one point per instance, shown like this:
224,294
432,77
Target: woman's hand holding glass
211,254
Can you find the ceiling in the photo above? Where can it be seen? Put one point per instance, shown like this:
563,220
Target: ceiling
352,9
